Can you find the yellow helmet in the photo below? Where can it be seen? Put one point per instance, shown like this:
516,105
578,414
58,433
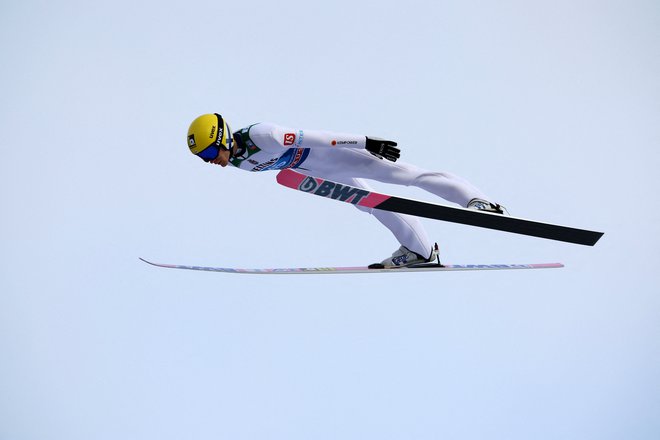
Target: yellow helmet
208,135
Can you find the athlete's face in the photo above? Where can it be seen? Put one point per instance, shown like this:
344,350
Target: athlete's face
222,159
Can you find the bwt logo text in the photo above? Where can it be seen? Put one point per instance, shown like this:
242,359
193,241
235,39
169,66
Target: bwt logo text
333,190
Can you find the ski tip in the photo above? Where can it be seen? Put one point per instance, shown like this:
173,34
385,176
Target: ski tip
147,261
171,266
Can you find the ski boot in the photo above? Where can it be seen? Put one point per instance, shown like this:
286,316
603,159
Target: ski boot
486,206
404,257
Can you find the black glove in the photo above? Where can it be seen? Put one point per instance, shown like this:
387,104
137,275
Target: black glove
382,148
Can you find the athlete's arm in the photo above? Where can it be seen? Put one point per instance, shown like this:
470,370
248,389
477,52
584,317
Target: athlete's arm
299,138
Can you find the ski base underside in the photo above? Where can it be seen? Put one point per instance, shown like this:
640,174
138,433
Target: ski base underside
352,270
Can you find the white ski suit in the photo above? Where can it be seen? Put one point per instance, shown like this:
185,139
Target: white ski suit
341,157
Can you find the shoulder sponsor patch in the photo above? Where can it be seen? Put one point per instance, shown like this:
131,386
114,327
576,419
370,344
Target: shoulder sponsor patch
289,138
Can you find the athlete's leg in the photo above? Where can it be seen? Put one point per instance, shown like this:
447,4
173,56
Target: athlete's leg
353,163
407,229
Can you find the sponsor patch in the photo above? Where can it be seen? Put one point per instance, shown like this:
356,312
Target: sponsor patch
335,142
289,138
337,191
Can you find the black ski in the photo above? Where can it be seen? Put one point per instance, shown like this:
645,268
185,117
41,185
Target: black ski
370,199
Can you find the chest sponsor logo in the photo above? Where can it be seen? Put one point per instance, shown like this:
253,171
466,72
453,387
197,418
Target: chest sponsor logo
333,190
289,138
265,165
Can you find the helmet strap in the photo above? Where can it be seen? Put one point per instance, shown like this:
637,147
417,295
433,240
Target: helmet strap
230,142
240,145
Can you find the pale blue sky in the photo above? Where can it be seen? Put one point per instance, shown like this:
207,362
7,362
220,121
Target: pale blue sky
552,107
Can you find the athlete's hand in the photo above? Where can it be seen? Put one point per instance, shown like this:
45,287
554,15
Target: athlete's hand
383,148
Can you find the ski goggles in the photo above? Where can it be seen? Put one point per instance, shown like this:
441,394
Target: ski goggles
211,152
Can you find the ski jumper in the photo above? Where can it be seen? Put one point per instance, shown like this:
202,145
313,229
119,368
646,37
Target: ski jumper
341,157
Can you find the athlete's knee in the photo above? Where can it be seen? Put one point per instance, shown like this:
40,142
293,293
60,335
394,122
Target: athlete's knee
432,176
365,209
